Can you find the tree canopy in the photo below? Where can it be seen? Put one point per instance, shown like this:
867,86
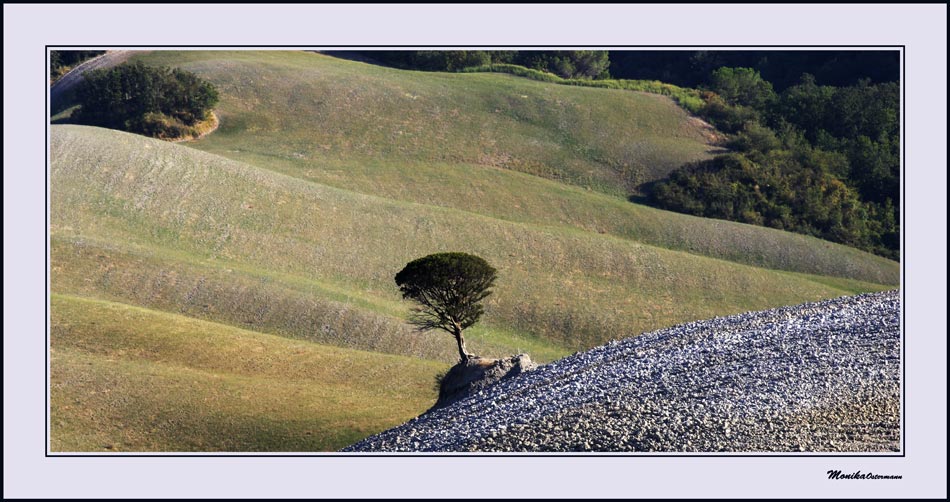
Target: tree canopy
742,86
449,288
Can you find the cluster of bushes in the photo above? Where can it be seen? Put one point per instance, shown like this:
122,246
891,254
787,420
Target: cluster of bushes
155,101
813,159
60,62
432,60
565,64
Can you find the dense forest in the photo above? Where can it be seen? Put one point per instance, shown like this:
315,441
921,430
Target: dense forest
814,135
782,69
813,159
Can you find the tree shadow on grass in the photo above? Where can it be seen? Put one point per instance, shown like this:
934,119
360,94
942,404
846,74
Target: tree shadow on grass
641,193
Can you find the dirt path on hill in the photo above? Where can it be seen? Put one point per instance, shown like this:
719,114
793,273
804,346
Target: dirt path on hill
63,87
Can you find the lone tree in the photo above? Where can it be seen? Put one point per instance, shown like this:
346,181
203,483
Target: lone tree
448,287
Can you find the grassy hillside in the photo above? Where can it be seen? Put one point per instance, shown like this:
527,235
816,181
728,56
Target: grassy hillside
571,288
262,300
302,92
323,111
125,378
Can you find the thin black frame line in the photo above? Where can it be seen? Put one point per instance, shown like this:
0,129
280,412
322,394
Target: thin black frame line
902,454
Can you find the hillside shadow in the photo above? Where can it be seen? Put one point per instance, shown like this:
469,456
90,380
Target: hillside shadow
61,100
354,56
640,194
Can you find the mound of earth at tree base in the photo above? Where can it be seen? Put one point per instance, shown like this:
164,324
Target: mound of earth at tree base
814,377
476,374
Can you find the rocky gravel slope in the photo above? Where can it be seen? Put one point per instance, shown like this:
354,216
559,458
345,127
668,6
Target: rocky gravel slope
816,377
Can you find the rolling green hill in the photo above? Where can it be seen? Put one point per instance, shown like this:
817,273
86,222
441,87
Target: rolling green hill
571,288
313,109
172,264
304,98
123,378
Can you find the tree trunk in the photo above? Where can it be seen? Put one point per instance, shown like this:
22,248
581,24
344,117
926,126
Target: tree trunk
463,355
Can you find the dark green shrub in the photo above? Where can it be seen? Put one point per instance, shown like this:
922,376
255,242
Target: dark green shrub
726,117
755,139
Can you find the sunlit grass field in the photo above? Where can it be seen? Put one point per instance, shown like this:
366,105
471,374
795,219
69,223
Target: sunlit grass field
303,109
124,378
574,288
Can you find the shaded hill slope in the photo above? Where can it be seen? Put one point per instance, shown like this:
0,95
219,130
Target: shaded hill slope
813,377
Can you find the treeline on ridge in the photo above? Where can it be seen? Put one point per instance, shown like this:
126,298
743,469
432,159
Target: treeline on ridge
781,68
691,68
154,101
565,64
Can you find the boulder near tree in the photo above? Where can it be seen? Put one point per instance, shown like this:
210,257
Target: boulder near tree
449,288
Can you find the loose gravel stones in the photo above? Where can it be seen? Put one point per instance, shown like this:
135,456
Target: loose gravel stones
815,377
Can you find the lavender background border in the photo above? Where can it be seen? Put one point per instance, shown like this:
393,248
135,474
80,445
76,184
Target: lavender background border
28,28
